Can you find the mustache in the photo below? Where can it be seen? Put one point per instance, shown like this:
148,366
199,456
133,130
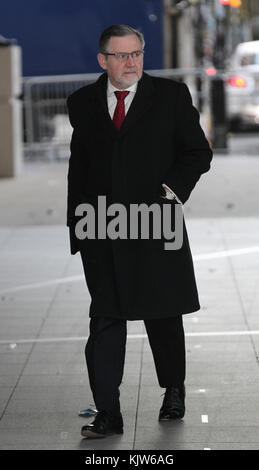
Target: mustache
130,70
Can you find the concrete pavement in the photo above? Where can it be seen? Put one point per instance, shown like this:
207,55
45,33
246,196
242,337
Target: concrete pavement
44,322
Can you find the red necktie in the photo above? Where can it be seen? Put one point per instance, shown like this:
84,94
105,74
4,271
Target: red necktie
119,113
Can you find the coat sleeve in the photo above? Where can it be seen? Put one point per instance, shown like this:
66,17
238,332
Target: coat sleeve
73,177
194,154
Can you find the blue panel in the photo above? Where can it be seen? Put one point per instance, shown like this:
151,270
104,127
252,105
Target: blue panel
61,36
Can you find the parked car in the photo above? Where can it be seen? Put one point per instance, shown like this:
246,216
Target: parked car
242,86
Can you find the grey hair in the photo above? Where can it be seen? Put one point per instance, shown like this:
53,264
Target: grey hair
118,30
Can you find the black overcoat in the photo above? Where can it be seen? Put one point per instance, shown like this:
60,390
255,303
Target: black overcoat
160,141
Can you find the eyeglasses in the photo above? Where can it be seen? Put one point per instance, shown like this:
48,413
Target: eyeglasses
123,56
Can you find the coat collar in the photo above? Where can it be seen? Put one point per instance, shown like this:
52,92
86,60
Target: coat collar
141,102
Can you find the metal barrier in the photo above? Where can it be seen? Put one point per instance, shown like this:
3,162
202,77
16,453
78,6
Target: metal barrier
47,131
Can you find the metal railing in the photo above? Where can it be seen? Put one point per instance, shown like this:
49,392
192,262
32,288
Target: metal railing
47,131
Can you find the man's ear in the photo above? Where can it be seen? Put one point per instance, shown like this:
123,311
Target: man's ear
102,61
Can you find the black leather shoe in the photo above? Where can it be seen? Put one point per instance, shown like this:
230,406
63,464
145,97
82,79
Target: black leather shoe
103,425
173,406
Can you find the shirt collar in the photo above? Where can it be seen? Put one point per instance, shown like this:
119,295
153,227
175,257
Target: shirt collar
111,89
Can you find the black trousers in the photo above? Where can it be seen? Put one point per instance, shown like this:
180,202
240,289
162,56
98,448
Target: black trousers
105,356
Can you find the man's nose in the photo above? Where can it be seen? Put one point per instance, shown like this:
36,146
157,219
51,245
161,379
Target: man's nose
130,60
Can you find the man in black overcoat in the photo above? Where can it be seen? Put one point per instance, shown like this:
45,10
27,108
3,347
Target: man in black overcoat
136,139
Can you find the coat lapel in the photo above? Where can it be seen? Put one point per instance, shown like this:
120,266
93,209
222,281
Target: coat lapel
141,103
101,104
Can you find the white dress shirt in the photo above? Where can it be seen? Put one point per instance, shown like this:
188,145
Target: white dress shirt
112,102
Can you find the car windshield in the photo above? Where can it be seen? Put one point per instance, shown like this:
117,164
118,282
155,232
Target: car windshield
250,59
